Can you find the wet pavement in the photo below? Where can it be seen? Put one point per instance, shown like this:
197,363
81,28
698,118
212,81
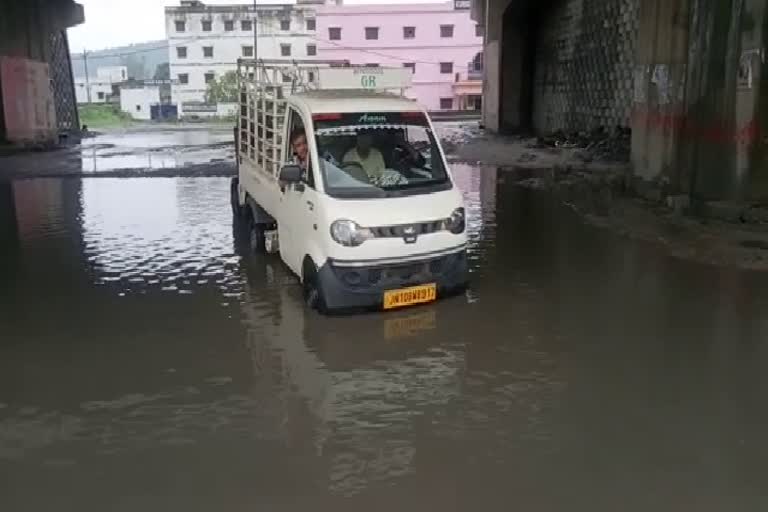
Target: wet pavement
147,364
183,150
156,150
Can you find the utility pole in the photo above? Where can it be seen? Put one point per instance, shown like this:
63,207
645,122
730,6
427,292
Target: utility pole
255,33
87,78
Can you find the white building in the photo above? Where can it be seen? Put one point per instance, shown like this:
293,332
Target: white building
112,74
138,101
102,86
205,41
99,90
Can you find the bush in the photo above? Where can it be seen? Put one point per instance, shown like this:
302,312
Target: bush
103,115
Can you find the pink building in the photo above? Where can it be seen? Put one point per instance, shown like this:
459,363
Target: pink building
439,42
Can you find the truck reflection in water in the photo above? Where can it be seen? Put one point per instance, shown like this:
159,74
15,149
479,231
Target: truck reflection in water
340,381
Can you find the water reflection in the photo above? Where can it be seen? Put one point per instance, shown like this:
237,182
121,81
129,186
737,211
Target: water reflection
140,232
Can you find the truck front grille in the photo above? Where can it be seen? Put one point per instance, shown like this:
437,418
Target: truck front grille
399,230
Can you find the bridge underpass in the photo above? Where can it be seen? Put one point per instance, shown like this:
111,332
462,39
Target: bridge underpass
685,75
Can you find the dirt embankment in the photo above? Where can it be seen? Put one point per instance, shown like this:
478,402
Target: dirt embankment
593,176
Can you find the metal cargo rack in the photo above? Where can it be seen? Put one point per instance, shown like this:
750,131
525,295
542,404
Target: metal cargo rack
263,86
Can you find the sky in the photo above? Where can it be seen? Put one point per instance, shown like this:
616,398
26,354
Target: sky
111,23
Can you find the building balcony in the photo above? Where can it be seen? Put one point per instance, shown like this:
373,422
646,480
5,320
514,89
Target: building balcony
475,74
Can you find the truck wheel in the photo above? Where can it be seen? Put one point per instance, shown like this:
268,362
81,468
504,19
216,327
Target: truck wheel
256,240
234,199
313,294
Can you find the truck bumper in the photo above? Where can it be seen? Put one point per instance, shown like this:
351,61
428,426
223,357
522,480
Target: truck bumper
350,285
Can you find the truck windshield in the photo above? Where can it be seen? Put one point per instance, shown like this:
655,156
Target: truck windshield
378,154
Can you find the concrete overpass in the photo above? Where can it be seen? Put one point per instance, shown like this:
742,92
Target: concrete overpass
37,102
688,76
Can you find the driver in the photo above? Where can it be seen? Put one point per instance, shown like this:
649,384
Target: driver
300,150
367,156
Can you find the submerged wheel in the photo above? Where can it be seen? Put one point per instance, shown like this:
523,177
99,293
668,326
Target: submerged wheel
234,199
256,241
312,289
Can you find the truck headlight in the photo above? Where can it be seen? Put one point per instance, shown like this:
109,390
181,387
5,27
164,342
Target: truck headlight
456,223
348,233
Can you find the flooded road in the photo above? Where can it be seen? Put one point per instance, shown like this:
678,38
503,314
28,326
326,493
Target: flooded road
146,364
152,151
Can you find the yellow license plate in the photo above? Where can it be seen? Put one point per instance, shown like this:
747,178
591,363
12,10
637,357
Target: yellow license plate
410,296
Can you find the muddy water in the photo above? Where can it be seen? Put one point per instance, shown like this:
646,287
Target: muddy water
146,364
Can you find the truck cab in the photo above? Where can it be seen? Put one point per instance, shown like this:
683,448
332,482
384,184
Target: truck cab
349,184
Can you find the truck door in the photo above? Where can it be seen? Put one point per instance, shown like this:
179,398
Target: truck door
297,217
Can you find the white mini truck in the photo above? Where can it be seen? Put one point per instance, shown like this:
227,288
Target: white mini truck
371,217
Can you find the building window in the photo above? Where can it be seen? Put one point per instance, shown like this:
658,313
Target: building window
207,25
334,33
183,78
311,50
101,95
209,77
410,65
371,33
311,76
409,32
446,103
181,52
285,25
208,52
479,31
247,51
311,24
181,26
246,25
229,25
138,108
446,30
446,68
285,50
287,78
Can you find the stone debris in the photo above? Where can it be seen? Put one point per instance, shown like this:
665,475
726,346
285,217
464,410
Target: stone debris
597,145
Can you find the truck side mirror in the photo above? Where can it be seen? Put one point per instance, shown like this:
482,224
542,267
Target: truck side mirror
290,174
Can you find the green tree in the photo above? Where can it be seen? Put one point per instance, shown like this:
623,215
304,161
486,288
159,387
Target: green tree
223,90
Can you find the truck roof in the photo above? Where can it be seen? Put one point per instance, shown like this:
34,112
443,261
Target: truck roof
350,100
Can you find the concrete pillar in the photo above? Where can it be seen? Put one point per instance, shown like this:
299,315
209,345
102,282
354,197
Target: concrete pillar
721,148
493,16
26,28
512,77
659,89
8,224
752,113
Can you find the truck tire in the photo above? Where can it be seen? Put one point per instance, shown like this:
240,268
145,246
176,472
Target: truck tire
312,289
234,199
256,241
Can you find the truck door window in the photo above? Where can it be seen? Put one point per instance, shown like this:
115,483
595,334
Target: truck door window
299,147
